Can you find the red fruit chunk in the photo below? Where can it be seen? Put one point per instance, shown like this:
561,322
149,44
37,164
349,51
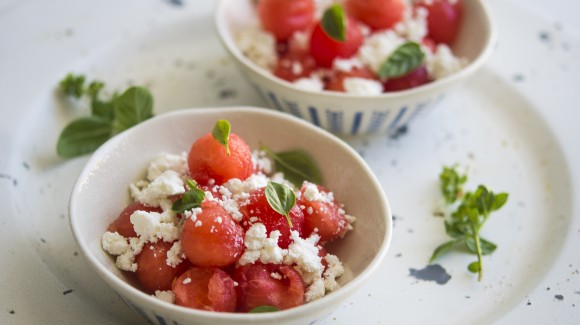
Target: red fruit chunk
208,159
259,207
284,17
377,14
214,238
416,78
153,271
325,49
324,216
123,224
294,65
443,20
336,81
256,286
206,289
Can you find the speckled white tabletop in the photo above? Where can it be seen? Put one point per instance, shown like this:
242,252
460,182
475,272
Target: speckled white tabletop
514,124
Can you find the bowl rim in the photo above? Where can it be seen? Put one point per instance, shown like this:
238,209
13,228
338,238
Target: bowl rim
471,67
125,289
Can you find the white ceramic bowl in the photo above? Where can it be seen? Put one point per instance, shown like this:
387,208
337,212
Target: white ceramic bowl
355,114
101,192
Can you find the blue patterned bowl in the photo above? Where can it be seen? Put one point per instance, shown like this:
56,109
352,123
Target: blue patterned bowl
357,114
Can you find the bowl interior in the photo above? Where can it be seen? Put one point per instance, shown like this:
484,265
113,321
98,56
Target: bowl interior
101,191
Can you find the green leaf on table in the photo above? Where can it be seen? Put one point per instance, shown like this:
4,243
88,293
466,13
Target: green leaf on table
443,248
135,105
474,267
73,85
83,136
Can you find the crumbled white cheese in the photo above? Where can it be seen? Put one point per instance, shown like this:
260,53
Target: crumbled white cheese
362,86
299,40
276,275
186,281
149,226
304,254
175,254
333,271
257,45
313,194
315,290
166,184
166,161
167,296
346,65
414,24
114,243
377,47
261,247
443,63
261,162
312,83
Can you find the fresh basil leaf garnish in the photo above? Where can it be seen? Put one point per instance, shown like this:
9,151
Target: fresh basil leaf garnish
402,61
221,132
190,200
281,198
334,23
263,309
296,165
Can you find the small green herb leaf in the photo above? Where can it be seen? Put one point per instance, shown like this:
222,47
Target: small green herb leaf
334,23
405,59
451,184
443,248
73,85
263,309
474,267
135,105
221,132
83,136
281,198
103,109
453,230
498,201
296,165
190,200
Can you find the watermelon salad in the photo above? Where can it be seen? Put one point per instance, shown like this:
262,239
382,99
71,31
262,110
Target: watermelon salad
220,228
364,47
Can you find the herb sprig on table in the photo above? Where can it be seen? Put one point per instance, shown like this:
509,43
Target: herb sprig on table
465,223
108,116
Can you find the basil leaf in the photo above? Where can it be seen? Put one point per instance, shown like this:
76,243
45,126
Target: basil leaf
453,230
498,201
296,165
263,309
221,132
73,85
334,23
281,198
443,248
487,247
132,107
474,267
190,200
405,59
83,136
102,109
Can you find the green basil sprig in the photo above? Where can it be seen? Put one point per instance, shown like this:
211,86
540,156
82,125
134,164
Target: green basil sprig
402,61
465,223
108,117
